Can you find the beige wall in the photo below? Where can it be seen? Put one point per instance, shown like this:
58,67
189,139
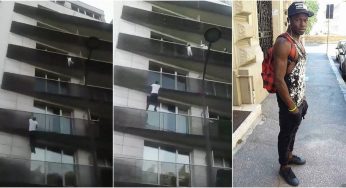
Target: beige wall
248,56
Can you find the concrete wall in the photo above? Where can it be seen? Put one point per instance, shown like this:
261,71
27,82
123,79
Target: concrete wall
248,56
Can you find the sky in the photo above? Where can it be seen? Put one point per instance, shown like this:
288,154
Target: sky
105,5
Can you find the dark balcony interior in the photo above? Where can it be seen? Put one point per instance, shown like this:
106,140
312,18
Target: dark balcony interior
23,172
188,90
68,23
205,11
219,64
173,127
98,73
65,41
98,100
135,172
186,29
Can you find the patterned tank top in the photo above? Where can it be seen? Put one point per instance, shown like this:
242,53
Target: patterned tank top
296,79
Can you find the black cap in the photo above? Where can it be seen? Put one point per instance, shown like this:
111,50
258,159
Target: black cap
299,7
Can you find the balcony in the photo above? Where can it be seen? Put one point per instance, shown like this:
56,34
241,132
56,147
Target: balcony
72,43
68,23
207,11
22,172
219,65
98,73
138,172
186,29
180,88
173,127
98,100
57,130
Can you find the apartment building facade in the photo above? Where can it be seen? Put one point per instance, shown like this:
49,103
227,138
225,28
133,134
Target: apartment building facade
55,67
169,147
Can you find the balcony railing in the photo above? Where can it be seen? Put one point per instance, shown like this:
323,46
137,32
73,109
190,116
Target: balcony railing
19,120
68,23
37,85
144,78
44,173
98,73
159,173
170,122
64,125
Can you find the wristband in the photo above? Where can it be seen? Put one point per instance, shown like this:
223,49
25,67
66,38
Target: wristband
292,110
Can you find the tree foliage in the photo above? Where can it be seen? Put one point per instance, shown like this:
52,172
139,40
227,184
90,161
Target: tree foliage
313,7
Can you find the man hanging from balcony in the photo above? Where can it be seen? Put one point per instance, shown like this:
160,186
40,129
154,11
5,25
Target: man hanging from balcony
32,127
189,50
154,94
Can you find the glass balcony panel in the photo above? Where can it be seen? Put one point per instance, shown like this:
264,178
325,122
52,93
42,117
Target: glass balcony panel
65,125
221,89
52,86
63,88
182,124
168,121
37,169
69,175
168,174
168,81
55,126
184,175
181,83
209,88
40,85
149,172
153,120
54,174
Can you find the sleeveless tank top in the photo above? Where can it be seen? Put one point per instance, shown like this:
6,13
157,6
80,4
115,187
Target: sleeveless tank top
295,80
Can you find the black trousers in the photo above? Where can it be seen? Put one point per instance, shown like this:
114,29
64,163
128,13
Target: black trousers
289,124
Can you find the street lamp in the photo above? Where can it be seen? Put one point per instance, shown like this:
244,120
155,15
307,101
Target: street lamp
211,35
92,43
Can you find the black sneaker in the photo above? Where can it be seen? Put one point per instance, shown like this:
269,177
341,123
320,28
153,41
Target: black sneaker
289,176
297,160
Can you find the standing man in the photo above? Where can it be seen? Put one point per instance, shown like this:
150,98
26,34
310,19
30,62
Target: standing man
290,85
154,94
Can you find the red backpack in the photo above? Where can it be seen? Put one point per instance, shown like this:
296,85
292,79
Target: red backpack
268,68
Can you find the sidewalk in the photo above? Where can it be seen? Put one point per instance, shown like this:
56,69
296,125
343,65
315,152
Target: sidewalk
321,138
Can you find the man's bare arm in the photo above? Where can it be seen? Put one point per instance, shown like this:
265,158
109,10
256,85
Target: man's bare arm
281,52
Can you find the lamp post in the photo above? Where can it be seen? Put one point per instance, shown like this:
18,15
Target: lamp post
92,43
211,35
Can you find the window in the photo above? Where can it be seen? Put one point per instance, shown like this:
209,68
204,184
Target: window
166,165
220,161
52,118
51,82
168,77
56,164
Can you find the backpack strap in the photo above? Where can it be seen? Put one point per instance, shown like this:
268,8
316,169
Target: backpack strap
293,52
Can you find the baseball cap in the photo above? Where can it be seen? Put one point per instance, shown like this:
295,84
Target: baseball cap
298,7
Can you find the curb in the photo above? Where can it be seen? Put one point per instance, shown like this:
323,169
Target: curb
248,124
341,81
